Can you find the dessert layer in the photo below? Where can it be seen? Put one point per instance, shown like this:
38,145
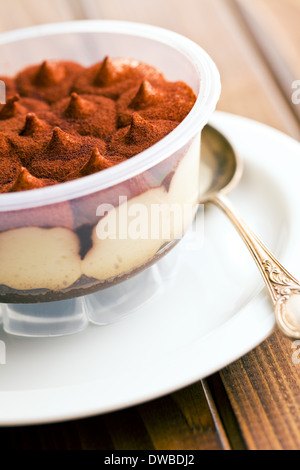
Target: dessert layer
34,257
63,121
50,258
133,232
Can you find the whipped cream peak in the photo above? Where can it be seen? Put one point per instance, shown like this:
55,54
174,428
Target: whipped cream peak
139,130
26,181
79,107
49,73
33,125
97,162
108,73
146,96
12,108
61,140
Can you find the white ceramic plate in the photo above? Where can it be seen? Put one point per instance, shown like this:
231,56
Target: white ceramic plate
213,312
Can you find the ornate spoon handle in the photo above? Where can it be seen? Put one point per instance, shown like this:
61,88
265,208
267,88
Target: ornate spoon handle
283,288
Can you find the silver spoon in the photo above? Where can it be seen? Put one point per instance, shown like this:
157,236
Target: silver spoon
221,170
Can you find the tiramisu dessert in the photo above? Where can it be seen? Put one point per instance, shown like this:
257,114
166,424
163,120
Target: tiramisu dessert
63,121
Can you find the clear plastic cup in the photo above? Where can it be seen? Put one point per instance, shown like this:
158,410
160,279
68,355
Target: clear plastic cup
56,243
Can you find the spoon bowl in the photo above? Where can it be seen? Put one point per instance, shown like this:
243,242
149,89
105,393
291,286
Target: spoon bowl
221,170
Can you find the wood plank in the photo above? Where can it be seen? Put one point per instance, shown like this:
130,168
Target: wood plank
180,421
41,437
264,389
279,20
183,421
220,404
270,25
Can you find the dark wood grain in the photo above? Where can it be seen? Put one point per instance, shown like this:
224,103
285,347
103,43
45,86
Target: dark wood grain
220,403
180,421
263,388
183,421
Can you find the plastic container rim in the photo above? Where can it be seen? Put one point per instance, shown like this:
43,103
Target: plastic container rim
205,104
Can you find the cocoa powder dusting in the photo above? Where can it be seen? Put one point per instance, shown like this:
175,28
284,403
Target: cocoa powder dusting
63,121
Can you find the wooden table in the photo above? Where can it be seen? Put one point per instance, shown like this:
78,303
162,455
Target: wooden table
254,402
